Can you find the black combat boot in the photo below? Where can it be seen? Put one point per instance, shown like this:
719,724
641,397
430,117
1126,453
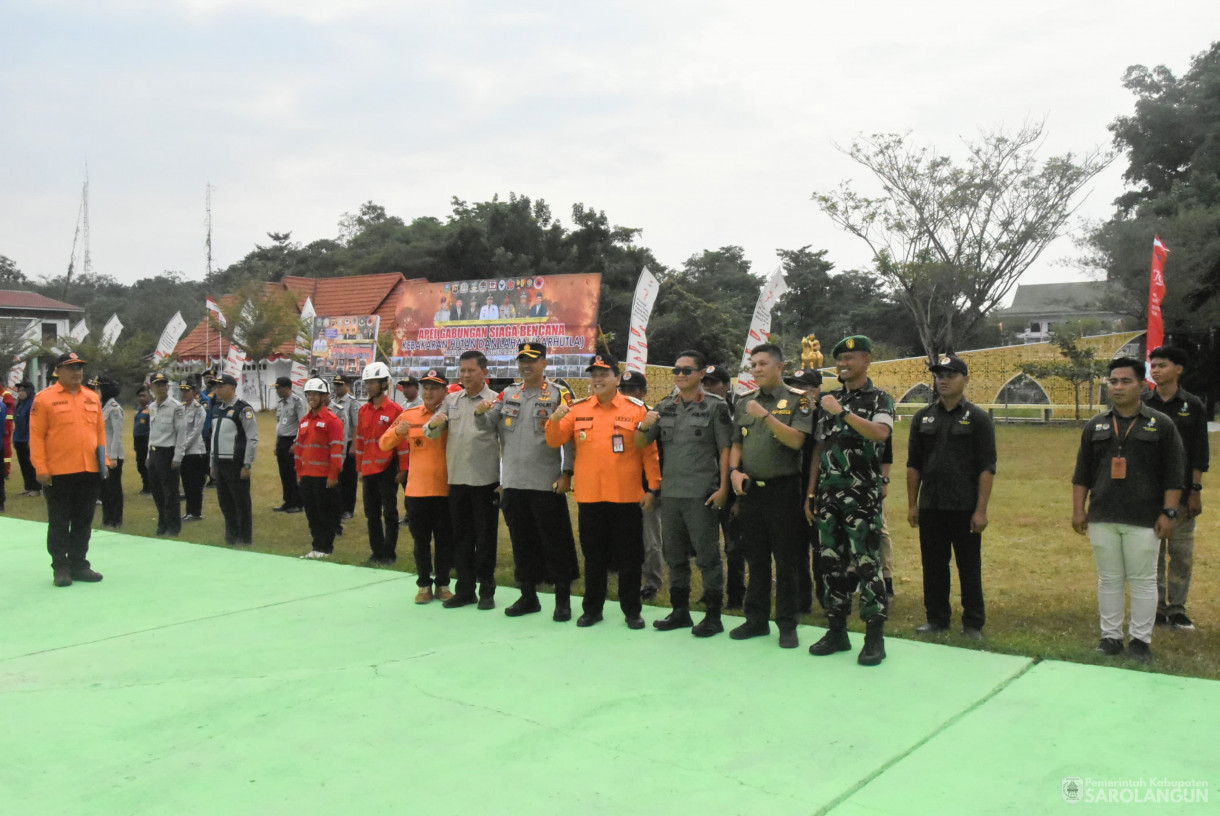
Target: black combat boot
710,625
679,618
874,644
835,639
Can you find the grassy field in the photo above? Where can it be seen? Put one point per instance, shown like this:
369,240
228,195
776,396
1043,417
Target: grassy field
1038,576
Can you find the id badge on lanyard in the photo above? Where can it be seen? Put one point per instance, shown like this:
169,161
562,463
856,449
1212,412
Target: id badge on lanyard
616,442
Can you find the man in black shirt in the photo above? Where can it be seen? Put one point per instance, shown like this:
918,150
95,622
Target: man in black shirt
1130,467
950,467
1189,417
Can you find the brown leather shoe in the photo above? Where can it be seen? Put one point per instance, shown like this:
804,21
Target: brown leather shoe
424,595
443,593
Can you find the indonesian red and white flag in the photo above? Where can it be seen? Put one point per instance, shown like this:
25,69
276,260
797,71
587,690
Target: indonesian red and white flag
1156,296
214,308
301,360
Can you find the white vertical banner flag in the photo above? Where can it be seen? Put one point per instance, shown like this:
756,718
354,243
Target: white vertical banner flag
80,331
760,326
169,339
17,372
641,310
300,354
111,332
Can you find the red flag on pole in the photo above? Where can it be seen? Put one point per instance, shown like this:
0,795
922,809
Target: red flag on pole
1156,295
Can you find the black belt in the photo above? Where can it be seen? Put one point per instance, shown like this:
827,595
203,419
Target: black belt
775,481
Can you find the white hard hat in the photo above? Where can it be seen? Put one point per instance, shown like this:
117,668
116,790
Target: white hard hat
376,371
317,384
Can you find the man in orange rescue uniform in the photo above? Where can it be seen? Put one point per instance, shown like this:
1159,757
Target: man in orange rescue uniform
68,451
427,494
609,480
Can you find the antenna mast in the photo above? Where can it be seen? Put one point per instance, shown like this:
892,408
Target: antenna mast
208,223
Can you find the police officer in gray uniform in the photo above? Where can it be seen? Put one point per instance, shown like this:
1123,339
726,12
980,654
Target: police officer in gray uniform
345,406
234,444
535,480
289,412
694,429
166,446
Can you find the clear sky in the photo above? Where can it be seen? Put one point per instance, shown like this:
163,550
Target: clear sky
704,123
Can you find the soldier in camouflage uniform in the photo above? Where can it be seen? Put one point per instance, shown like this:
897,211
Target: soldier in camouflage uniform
845,492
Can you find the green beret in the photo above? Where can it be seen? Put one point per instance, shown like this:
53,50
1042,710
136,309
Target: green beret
857,342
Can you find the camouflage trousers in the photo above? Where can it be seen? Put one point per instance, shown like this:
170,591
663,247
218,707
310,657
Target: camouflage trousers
849,521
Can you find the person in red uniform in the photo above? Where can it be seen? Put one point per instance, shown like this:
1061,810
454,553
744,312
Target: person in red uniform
318,457
609,485
380,471
427,493
68,449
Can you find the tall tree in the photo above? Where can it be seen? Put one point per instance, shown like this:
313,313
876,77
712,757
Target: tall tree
1172,143
10,275
953,239
260,322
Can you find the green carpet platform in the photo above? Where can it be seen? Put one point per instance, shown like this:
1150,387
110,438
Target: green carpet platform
199,680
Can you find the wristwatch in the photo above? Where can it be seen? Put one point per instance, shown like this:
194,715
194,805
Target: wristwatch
1197,487
885,480
1170,512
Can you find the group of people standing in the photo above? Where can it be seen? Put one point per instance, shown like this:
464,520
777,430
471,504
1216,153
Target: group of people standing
783,470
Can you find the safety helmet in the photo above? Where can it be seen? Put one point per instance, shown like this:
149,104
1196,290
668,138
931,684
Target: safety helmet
317,384
376,371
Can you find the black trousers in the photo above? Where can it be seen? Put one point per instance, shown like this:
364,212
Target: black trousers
233,495
612,535
288,470
112,495
773,526
381,512
71,501
945,533
163,479
28,474
141,446
540,529
734,555
348,479
194,474
321,510
475,512
429,522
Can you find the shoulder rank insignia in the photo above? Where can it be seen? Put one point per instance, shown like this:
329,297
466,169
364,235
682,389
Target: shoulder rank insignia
637,401
582,399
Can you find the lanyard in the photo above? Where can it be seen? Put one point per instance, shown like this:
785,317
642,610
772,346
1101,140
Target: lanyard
1123,440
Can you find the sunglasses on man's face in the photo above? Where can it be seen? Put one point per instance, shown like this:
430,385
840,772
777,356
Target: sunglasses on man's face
684,370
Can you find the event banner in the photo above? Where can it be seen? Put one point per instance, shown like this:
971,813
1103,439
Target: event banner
438,321
345,344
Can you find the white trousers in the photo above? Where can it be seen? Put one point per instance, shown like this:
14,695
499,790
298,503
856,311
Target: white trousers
1125,553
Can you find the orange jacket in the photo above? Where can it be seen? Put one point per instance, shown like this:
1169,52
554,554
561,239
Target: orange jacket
429,474
318,450
601,474
371,423
66,430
